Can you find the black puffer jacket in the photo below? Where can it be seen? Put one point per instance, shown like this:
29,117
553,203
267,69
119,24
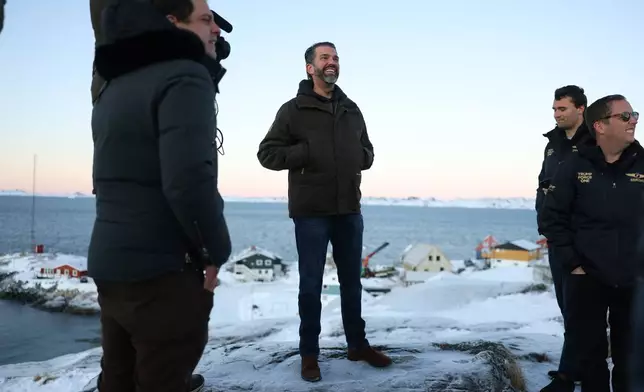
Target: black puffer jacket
557,150
592,214
155,168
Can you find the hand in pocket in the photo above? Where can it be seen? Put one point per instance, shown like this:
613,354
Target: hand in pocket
211,280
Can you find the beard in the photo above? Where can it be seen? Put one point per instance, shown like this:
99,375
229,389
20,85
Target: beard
329,79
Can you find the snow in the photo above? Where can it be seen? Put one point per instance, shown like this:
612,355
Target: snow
525,203
27,268
251,251
525,244
57,292
20,192
254,334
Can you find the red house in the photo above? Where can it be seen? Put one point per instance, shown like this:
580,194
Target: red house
66,270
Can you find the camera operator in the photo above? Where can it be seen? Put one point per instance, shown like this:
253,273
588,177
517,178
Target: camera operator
186,234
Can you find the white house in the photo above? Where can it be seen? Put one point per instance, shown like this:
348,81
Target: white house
425,258
257,264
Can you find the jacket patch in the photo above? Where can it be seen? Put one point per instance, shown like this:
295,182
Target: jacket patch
636,177
584,177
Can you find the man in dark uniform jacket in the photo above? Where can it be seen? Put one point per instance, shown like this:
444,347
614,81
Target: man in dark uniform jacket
569,105
591,217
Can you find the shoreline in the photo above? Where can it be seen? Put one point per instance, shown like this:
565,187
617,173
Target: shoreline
494,203
51,300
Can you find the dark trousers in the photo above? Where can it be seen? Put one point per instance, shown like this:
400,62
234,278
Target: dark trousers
637,368
566,363
154,332
587,301
312,236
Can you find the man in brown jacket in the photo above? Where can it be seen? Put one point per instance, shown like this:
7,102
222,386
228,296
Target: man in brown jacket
321,138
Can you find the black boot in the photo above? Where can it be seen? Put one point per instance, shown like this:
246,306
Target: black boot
197,383
559,383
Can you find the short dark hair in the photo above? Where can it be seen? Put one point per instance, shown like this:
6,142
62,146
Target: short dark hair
600,110
575,93
180,9
309,54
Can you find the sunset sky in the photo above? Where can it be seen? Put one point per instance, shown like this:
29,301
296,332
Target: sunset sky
456,94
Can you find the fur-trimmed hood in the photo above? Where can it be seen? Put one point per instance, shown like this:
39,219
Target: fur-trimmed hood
135,35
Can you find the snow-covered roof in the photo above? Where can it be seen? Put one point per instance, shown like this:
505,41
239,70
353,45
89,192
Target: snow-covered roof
252,251
525,244
417,253
77,262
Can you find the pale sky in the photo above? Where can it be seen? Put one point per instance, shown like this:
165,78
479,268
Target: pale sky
456,94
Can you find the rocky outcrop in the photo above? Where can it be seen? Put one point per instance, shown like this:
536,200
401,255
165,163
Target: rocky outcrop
501,371
479,366
50,299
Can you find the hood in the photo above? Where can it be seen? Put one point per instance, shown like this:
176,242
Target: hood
135,35
306,88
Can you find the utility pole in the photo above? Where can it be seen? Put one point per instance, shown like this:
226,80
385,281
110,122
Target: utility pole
33,209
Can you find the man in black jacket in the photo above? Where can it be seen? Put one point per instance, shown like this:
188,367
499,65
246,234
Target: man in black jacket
321,138
591,217
569,105
160,219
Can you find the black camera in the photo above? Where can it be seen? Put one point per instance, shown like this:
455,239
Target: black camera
222,51
222,48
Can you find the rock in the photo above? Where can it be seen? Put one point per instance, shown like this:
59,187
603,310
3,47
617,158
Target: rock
469,366
535,288
50,299
504,371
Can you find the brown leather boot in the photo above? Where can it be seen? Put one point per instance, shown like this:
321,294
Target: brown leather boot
310,368
368,354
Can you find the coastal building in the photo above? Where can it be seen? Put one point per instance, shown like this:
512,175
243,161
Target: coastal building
76,269
425,258
257,264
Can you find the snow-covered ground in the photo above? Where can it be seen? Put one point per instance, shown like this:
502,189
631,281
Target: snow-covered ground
503,203
20,279
480,331
21,273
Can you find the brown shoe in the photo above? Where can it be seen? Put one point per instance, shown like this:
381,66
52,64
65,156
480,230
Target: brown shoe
368,354
310,368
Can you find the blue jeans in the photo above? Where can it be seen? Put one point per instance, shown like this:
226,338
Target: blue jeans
312,236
